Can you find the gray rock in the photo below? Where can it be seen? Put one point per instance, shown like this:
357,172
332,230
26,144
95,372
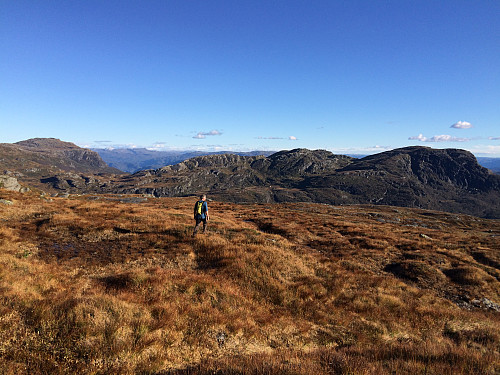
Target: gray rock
9,183
486,304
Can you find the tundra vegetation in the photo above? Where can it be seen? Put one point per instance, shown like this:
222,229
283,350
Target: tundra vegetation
101,285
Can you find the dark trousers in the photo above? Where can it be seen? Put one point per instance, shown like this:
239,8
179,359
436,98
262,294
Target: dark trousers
199,220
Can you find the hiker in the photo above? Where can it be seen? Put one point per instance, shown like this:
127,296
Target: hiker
201,213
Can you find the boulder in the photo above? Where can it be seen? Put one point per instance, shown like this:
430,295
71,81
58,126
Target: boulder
9,183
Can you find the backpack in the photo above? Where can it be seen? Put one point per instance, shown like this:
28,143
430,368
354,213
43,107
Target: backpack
198,207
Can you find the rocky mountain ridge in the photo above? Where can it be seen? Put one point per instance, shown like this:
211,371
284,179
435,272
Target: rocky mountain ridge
448,180
50,154
38,160
133,160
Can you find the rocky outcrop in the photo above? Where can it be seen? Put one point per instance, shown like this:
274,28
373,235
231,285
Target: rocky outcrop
436,168
137,159
35,162
9,183
75,183
448,180
301,162
65,155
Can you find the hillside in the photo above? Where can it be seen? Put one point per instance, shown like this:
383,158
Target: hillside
132,160
233,177
98,285
33,160
448,180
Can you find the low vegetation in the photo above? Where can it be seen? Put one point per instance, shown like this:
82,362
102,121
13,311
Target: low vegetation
101,285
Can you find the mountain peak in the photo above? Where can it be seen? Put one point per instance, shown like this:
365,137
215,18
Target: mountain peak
46,144
35,159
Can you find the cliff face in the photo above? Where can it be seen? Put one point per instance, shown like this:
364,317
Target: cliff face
448,180
35,161
433,167
64,155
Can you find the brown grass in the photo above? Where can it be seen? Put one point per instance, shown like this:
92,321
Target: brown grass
91,285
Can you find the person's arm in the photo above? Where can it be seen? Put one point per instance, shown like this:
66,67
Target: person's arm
206,210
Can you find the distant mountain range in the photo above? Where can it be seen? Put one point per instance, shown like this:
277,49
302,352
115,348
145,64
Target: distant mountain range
132,160
448,180
492,164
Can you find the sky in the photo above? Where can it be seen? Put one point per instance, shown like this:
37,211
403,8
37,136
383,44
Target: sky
352,77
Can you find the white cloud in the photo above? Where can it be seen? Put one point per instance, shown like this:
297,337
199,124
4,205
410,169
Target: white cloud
111,146
219,148
487,150
462,125
360,150
291,138
213,132
439,138
203,135
494,138
447,138
157,146
419,137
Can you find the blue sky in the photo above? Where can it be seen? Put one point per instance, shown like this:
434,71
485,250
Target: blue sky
346,76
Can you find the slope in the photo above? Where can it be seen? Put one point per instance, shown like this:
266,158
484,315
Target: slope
39,160
449,180
94,285
137,159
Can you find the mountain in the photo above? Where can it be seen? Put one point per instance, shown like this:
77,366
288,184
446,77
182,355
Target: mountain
33,160
234,177
136,159
52,154
448,180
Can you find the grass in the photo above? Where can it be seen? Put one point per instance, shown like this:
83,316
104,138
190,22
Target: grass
95,286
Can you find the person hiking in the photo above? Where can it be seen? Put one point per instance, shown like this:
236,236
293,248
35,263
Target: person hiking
201,214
